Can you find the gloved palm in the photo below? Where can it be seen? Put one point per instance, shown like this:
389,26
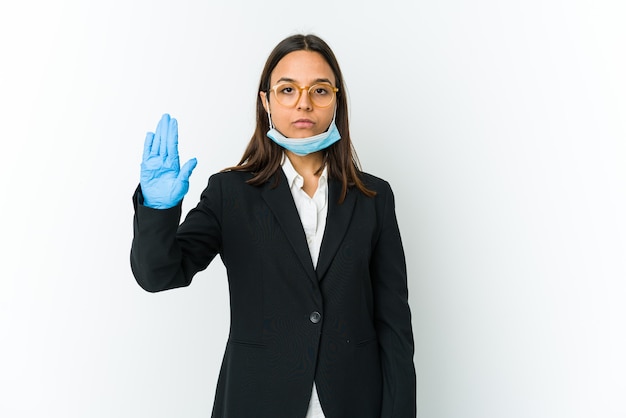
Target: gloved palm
163,182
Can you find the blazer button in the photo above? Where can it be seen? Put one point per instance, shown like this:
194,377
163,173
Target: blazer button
315,317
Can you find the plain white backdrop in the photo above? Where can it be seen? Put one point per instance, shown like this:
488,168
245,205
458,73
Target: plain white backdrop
501,127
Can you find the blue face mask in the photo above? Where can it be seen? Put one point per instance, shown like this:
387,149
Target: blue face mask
305,146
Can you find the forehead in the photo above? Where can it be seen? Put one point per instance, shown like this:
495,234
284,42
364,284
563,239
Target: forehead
303,67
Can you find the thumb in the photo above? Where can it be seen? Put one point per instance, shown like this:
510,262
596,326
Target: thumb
185,171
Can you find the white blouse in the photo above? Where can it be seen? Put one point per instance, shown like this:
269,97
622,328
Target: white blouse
312,211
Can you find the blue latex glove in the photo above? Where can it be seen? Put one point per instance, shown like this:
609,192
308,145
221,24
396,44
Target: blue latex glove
163,182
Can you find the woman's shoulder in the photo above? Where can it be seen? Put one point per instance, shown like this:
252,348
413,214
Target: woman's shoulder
228,183
231,180
231,176
375,183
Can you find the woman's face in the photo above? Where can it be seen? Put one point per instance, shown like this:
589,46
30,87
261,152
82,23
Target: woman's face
304,119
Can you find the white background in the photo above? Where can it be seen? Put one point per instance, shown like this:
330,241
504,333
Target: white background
501,126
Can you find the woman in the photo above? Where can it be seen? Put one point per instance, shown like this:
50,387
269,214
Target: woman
320,322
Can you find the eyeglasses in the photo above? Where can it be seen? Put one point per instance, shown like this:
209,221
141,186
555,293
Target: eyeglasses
321,95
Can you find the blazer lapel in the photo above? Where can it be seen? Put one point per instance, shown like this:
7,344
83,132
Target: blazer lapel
337,221
281,203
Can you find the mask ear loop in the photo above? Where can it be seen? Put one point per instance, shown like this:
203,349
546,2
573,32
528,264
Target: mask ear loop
269,115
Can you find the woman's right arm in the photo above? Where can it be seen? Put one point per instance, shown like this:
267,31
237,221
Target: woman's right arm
161,257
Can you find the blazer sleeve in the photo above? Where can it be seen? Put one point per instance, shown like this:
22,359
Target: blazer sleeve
392,315
165,255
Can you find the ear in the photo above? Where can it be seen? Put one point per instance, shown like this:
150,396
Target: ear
263,96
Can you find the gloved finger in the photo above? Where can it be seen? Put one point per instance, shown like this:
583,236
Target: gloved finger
185,172
172,139
159,134
165,130
147,145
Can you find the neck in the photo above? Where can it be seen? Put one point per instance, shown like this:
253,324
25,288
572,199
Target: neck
306,165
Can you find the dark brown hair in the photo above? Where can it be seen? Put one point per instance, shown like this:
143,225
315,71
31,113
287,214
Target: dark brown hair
263,156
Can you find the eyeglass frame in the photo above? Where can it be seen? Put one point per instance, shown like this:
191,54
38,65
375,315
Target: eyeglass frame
308,92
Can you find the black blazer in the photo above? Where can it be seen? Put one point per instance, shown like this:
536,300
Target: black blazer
345,325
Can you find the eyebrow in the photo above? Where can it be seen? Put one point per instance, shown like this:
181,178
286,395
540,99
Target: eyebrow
291,80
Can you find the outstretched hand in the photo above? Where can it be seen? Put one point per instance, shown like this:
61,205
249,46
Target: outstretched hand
163,182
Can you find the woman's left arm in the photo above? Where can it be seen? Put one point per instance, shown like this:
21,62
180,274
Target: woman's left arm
392,314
